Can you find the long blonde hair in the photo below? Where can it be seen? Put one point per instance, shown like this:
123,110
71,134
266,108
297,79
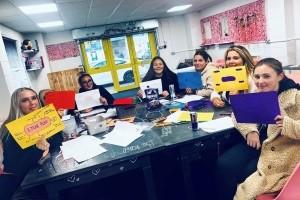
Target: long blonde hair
245,55
15,111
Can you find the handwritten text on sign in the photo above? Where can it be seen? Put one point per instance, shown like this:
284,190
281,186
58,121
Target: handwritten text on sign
29,129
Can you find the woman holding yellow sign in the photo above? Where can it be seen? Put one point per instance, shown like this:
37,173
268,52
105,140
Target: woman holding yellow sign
234,56
17,161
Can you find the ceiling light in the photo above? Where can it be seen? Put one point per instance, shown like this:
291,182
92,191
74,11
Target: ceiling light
179,8
37,9
50,24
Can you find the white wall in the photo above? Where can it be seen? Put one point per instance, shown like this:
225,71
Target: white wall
63,64
39,78
281,19
8,81
172,32
296,6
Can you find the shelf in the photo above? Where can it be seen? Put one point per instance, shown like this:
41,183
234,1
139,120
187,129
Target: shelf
34,69
32,51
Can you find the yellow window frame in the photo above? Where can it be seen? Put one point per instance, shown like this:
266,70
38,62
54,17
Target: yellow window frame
111,67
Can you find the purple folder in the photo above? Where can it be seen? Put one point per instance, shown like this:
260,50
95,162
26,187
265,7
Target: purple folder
258,108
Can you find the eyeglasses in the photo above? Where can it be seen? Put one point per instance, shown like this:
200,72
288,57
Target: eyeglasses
87,81
28,99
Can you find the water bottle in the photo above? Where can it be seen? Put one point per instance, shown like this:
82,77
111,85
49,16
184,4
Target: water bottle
77,118
172,92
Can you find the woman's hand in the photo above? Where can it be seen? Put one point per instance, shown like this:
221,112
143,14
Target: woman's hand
103,101
279,121
217,102
165,93
43,145
140,94
1,168
61,112
188,91
253,140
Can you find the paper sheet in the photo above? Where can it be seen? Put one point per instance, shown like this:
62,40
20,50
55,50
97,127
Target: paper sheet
151,84
123,134
82,148
230,79
201,116
191,80
87,99
28,129
216,125
187,69
188,98
173,118
260,108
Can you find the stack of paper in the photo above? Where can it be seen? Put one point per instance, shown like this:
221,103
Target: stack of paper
123,134
216,125
82,148
188,98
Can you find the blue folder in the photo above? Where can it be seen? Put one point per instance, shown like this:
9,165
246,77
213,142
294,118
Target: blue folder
189,80
258,108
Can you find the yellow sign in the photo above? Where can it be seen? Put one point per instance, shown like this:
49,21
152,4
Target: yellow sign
29,129
230,79
201,116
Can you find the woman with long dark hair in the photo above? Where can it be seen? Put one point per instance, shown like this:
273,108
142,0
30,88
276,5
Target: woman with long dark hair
87,83
202,63
159,70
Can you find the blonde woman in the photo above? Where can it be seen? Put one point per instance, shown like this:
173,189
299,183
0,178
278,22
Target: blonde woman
234,56
17,161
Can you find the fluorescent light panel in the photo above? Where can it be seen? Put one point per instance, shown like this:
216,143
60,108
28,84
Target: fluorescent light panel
50,24
179,8
37,9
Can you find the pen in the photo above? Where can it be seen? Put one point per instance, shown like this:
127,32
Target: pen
225,114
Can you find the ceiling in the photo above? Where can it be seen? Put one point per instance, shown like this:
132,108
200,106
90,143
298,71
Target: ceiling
85,13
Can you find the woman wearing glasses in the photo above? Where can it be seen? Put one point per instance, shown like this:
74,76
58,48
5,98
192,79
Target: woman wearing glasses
86,84
17,161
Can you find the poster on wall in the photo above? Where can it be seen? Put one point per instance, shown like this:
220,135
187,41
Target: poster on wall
207,30
243,24
62,50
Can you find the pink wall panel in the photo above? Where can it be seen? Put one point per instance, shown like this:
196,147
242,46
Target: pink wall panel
244,24
62,50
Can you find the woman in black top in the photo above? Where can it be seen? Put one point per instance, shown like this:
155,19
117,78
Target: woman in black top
17,161
159,70
86,83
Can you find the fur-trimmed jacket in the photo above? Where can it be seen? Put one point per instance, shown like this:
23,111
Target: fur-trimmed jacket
279,153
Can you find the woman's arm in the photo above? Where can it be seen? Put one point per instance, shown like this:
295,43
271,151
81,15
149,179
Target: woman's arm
244,128
290,127
104,93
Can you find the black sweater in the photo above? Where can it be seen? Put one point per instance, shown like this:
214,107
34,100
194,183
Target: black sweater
166,81
19,161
